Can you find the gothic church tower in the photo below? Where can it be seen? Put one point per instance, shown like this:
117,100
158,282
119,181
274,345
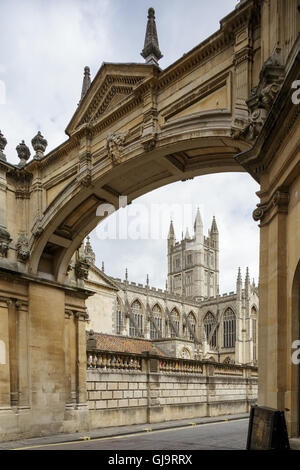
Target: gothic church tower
193,263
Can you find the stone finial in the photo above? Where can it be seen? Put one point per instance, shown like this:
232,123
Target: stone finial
89,252
3,143
86,82
147,280
39,144
187,235
102,266
23,153
151,51
126,275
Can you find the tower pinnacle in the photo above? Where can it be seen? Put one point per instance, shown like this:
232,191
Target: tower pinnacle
151,51
198,220
171,231
214,228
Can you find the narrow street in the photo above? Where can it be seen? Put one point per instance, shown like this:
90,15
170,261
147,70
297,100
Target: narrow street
231,435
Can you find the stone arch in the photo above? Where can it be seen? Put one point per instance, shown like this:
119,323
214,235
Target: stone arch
139,300
154,303
228,307
71,215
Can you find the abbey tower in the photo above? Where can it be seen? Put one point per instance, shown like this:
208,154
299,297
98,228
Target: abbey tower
193,263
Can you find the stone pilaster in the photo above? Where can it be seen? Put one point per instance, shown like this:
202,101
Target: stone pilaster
22,337
80,320
4,355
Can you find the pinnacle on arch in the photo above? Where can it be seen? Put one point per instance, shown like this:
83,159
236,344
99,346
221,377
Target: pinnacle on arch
86,82
151,51
89,252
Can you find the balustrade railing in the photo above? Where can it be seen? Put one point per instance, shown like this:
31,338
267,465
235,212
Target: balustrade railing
181,365
113,361
122,361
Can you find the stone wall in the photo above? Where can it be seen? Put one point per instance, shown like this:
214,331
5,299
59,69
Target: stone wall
160,389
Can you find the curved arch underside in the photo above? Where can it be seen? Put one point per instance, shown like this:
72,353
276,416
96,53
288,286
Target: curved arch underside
72,215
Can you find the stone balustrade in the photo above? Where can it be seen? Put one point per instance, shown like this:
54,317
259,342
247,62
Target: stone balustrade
113,361
181,366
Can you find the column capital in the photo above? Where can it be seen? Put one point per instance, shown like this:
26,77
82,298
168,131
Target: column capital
81,316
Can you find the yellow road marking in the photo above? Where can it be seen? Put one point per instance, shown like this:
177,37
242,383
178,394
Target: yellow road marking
124,436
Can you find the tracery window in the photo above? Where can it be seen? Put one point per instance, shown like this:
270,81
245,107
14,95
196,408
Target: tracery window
192,322
156,333
209,323
175,320
229,329
137,312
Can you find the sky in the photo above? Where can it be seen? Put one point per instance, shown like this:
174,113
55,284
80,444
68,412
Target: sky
45,45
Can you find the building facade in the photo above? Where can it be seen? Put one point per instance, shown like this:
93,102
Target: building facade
188,319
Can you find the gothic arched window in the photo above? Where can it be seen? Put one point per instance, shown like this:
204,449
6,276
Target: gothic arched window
175,322
229,328
156,333
119,322
209,324
137,312
192,322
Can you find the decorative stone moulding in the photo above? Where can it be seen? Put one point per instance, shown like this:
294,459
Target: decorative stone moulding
3,143
4,241
262,98
39,144
115,143
23,248
150,143
23,153
82,267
